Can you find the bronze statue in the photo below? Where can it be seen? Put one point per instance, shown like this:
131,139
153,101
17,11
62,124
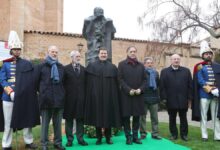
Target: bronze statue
98,31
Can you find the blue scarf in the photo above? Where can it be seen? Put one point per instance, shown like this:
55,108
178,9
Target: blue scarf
152,78
54,71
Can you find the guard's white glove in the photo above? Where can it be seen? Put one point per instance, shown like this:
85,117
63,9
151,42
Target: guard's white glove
12,96
215,92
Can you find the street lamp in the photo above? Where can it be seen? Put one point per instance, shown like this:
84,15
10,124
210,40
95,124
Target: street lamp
80,47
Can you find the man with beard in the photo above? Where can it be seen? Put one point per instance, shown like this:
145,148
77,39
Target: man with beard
50,77
19,98
176,91
132,79
74,84
102,97
206,92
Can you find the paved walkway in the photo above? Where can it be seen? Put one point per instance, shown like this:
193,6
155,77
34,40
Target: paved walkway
163,117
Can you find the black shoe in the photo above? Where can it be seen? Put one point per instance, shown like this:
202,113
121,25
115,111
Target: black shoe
109,141
184,138
99,141
69,144
45,148
6,148
59,147
137,141
128,141
143,136
156,137
204,139
31,146
173,137
83,143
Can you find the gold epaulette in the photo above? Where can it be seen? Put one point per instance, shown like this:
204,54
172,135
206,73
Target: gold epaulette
199,67
8,90
1,63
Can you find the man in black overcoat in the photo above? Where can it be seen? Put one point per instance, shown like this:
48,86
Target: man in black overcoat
74,84
176,91
102,96
132,79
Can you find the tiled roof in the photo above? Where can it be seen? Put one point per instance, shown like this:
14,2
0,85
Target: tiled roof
116,38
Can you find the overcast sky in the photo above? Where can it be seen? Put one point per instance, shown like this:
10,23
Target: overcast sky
124,14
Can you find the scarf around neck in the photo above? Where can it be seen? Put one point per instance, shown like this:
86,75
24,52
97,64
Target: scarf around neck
54,70
152,78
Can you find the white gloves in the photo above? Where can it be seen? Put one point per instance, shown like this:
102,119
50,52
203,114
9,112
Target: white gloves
215,92
12,96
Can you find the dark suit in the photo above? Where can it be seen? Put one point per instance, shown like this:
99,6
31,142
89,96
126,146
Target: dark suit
74,103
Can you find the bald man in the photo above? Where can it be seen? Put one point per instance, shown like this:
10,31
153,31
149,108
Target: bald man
75,99
176,91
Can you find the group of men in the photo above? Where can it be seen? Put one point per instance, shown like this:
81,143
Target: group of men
104,96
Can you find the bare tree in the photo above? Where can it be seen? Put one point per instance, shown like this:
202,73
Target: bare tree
173,19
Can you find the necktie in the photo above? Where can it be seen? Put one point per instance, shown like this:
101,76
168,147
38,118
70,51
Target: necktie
76,70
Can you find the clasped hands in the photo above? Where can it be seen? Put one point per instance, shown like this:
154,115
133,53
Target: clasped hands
135,92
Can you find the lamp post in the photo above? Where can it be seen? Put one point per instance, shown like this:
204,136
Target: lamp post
80,47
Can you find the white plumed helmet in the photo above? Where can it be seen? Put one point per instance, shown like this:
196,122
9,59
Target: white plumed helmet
204,47
14,41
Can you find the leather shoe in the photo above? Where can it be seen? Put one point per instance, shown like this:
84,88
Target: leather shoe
137,141
143,136
99,141
109,141
59,147
204,139
128,141
156,137
69,144
6,148
45,148
83,143
173,137
184,138
31,146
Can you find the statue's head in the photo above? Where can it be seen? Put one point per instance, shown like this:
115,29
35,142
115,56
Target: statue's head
98,12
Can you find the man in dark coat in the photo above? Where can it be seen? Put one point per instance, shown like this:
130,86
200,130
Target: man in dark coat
1,110
206,92
132,79
102,97
75,99
151,100
50,77
176,90
19,99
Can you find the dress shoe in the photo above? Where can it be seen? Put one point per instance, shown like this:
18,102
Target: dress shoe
184,138
143,136
99,141
45,148
59,147
31,146
129,141
137,141
173,137
204,139
6,148
83,143
109,141
156,137
69,144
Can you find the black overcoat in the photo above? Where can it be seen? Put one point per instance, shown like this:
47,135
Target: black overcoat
102,95
176,87
131,77
75,93
51,95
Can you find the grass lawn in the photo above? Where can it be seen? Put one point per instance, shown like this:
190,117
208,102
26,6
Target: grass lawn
194,142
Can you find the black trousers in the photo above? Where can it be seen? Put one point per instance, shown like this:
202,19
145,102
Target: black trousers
79,129
108,133
183,122
135,127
